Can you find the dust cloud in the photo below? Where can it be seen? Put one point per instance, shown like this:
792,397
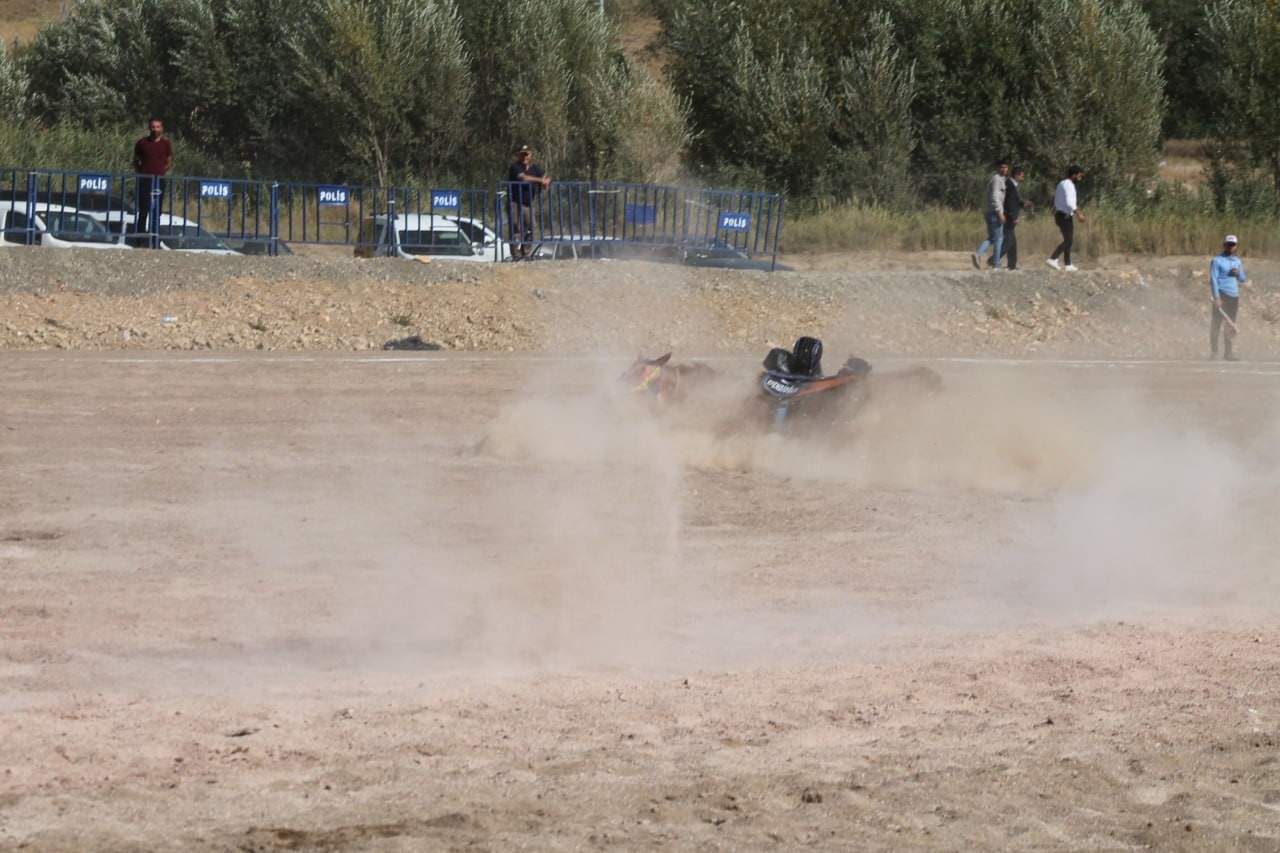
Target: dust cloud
1173,519
557,537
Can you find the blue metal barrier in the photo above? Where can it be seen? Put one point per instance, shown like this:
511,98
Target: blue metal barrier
574,219
190,212
566,219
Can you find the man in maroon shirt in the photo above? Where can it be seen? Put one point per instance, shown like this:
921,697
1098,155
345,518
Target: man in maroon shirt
152,159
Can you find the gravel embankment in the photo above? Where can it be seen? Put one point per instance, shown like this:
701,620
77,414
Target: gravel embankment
140,300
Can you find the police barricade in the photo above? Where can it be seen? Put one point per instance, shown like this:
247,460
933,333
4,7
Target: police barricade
60,207
566,219
445,223
328,214
217,214
744,222
642,221
427,222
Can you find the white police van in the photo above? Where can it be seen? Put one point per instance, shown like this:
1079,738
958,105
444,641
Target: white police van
174,233
55,226
418,236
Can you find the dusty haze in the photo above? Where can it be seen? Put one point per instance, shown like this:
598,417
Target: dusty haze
342,598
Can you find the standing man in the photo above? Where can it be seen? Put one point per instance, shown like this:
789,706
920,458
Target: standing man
993,212
1013,205
525,181
1225,274
1065,213
152,160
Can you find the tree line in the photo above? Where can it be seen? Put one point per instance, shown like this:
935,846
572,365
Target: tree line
899,103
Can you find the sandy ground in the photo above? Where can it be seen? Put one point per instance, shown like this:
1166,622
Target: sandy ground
352,600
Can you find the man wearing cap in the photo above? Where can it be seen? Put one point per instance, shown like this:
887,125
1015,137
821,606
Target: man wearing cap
1225,274
525,181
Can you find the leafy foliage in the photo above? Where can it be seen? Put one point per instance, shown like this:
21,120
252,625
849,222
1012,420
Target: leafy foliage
883,102
359,91
387,82
1243,84
871,100
1100,103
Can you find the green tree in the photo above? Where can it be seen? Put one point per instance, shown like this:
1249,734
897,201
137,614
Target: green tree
1097,97
1177,25
872,117
233,82
387,84
548,74
13,89
91,68
1244,80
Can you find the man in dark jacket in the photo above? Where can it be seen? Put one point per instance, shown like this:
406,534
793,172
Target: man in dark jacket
524,182
1013,206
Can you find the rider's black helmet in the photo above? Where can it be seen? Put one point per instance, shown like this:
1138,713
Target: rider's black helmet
778,360
807,359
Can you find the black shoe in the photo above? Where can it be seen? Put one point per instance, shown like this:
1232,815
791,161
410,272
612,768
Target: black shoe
1230,357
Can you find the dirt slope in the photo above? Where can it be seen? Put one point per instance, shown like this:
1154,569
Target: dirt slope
924,305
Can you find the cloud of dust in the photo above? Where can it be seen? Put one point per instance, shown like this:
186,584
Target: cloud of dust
989,432
1171,518
555,544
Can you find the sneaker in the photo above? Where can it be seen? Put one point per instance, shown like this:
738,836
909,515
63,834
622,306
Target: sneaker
1071,268
1053,262
977,261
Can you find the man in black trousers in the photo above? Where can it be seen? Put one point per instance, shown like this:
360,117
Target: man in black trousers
1013,206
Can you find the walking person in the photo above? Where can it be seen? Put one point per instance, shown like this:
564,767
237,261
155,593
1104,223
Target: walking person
1225,275
993,213
1013,206
525,180
1065,214
152,160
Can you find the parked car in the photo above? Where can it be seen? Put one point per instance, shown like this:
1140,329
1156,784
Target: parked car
174,233
729,258
417,235
613,248
482,237
182,235
555,248
54,225
258,246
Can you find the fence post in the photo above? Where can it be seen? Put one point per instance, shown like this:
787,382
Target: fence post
390,234
273,221
32,179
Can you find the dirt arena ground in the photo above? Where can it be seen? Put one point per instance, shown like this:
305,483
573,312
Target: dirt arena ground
328,599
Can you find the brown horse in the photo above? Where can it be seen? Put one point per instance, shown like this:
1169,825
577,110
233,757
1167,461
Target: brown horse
662,382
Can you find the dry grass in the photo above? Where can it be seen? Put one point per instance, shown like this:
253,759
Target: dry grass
1103,233
20,19
1183,162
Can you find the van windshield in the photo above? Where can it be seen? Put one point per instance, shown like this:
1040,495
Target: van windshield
435,242
75,227
188,237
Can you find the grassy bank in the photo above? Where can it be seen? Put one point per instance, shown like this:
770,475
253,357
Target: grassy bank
1103,233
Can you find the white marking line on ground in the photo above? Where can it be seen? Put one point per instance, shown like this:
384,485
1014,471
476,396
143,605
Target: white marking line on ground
1260,368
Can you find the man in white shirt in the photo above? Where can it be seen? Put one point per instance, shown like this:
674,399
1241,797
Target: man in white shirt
1065,214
